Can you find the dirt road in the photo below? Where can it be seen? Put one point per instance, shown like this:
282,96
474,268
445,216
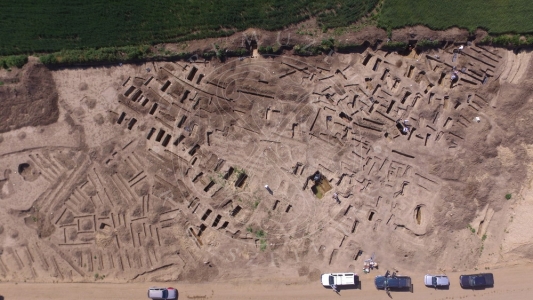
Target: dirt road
511,283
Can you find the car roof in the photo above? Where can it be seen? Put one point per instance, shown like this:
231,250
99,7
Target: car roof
156,292
442,280
162,293
479,280
398,279
478,274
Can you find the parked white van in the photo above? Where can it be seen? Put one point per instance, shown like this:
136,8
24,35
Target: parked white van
338,279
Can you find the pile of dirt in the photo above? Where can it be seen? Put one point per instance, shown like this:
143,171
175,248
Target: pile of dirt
29,98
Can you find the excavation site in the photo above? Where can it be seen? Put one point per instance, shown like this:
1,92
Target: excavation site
269,166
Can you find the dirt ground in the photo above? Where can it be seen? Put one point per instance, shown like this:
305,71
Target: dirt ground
29,98
156,172
309,34
511,283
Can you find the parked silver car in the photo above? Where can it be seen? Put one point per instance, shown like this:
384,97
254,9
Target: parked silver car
436,281
162,293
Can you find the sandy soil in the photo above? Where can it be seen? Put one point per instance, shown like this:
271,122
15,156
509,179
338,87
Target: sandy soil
510,283
156,172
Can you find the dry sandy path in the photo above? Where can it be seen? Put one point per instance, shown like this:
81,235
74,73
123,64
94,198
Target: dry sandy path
511,283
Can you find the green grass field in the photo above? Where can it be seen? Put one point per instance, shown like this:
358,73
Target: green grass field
496,16
29,26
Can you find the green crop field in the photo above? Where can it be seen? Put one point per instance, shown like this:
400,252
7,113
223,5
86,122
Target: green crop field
77,31
28,26
496,16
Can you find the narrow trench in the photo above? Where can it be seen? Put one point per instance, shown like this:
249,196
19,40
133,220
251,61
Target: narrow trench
418,214
153,109
410,72
206,214
235,211
275,205
479,228
217,220
354,226
209,186
179,139
121,118
131,123
160,135
165,86
150,133
367,58
166,140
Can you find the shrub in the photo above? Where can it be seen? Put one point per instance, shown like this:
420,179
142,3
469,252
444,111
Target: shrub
327,44
263,245
109,54
275,49
307,50
394,46
260,233
48,59
471,228
256,203
426,44
508,196
18,61
209,54
238,52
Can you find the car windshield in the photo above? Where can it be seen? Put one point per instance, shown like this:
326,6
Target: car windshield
165,294
331,281
434,281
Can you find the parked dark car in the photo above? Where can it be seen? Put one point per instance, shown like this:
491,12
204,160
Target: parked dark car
393,283
476,281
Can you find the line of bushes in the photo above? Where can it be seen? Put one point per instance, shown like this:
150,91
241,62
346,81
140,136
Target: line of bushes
130,53
325,46
508,40
428,44
7,62
135,53
276,49
309,50
107,54
394,46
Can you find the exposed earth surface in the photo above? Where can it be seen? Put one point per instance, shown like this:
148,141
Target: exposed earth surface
157,171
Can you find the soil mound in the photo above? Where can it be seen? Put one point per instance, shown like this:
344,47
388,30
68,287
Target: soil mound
29,98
